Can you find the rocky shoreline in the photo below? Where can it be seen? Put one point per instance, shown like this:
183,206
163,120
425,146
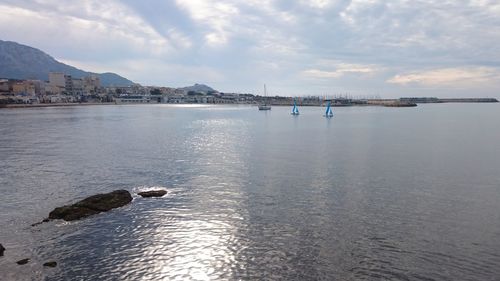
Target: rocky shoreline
92,205
89,206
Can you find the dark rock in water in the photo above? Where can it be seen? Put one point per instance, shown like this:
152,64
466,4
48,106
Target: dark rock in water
153,193
38,223
69,213
92,205
23,261
50,264
2,249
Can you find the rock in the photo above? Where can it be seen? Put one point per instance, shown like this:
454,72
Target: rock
50,264
92,205
23,261
69,213
38,223
2,249
153,193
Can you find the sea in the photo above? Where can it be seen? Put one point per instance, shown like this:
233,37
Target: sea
373,193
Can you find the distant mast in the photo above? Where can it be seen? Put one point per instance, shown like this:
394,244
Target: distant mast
264,106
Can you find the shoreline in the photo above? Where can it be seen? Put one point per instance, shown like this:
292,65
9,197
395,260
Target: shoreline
53,104
386,103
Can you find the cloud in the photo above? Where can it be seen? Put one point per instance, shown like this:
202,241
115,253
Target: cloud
301,46
318,4
217,15
89,25
316,73
154,72
356,9
339,69
449,76
223,21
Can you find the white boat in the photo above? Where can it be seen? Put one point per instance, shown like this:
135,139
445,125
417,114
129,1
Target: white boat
264,106
295,109
328,112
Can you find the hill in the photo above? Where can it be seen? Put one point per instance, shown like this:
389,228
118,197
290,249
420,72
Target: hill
19,61
200,88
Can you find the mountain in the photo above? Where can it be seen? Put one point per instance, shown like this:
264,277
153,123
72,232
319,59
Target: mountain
19,61
201,88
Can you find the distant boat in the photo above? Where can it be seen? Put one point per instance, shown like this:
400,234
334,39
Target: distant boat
328,112
265,106
295,109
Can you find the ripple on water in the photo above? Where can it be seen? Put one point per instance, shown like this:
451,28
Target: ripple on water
254,195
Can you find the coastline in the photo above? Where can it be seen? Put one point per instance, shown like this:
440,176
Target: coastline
375,102
54,104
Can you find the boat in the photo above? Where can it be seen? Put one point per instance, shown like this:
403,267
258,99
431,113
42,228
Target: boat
265,106
295,109
328,112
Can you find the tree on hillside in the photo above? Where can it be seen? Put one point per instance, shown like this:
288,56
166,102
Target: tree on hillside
155,92
194,93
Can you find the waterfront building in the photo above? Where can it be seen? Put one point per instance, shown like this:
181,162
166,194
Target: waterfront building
61,99
133,99
68,84
28,87
57,79
57,83
91,84
18,88
77,89
4,86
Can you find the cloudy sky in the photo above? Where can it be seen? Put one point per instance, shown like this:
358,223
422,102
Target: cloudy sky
447,48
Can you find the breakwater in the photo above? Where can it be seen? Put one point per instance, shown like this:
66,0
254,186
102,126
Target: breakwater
444,100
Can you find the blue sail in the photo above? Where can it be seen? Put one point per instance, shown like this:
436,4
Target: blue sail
328,112
295,109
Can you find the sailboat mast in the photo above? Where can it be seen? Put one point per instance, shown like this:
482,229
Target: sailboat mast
264,105
265,95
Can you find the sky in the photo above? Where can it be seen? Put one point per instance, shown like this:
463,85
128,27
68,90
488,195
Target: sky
360,48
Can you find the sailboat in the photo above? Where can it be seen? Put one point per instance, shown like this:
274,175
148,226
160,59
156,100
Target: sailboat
328,112
265,106
295,109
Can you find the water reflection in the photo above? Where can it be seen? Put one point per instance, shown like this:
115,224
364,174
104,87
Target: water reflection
207,248
254,195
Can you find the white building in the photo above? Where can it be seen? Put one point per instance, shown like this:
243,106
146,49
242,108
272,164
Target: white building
57,83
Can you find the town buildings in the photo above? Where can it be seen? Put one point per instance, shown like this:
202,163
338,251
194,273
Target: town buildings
64,88
59,88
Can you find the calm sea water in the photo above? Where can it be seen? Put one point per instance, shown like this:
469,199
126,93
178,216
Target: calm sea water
372,194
